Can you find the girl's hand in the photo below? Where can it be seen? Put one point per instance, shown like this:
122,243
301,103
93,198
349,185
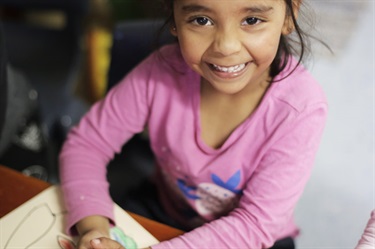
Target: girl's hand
105,243
92,227
85,242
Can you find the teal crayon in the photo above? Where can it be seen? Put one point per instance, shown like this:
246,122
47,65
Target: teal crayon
118,235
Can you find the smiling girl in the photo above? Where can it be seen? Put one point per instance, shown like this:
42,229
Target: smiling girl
234,122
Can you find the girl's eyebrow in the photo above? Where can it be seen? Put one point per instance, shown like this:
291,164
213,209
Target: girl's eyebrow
194,8
191,8
259,9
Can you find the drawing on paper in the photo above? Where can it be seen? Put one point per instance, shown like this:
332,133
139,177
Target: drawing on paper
32,222
39,223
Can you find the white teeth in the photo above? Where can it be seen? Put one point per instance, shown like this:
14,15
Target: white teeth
232,69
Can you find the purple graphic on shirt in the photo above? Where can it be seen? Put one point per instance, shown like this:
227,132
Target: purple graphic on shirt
216,198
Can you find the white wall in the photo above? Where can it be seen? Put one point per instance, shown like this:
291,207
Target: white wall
339,197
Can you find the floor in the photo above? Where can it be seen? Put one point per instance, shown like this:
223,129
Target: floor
340,195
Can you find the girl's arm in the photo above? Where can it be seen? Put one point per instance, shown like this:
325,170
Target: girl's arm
99,223
93,142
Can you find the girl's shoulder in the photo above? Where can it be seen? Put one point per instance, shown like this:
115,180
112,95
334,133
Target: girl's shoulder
297,87
170,56
162,64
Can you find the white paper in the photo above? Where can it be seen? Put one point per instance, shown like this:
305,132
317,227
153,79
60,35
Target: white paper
39,223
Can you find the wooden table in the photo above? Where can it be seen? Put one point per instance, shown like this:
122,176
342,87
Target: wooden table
16,188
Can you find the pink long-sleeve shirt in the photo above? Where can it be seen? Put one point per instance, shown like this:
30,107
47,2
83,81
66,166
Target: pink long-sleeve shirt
244,192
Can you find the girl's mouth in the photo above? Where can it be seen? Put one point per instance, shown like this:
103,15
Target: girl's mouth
228,72
231,69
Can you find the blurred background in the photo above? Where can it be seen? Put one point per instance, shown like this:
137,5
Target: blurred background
58,56
340,195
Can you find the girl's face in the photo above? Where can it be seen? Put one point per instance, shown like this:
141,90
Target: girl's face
230,43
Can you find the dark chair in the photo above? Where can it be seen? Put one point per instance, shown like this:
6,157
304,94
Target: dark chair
47,60
23,145
3,82
132,42
49,57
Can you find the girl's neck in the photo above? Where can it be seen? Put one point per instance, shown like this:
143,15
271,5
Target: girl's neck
221,114
251,91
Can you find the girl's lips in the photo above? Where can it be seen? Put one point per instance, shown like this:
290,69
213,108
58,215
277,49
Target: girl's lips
231,69
228,72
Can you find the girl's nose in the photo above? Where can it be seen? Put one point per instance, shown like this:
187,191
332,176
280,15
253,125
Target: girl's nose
227,42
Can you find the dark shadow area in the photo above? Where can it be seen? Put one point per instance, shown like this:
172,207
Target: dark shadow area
133,41
43,66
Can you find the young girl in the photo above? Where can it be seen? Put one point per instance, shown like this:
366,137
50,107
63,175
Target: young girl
234,122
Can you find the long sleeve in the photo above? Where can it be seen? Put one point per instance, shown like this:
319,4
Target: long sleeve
94,141
367,240
266,207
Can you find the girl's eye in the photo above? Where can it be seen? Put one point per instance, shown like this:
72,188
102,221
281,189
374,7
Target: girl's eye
202,21
251,21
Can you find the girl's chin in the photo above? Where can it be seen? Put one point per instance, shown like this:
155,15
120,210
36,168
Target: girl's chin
227,87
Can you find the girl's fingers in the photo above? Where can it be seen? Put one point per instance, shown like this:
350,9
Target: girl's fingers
103,242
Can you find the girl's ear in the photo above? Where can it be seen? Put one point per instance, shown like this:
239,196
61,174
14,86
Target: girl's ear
289,23
173,29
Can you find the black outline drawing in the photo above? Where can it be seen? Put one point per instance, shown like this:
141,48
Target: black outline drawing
29,214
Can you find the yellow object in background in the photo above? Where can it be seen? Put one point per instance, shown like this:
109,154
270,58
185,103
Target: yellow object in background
99,42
